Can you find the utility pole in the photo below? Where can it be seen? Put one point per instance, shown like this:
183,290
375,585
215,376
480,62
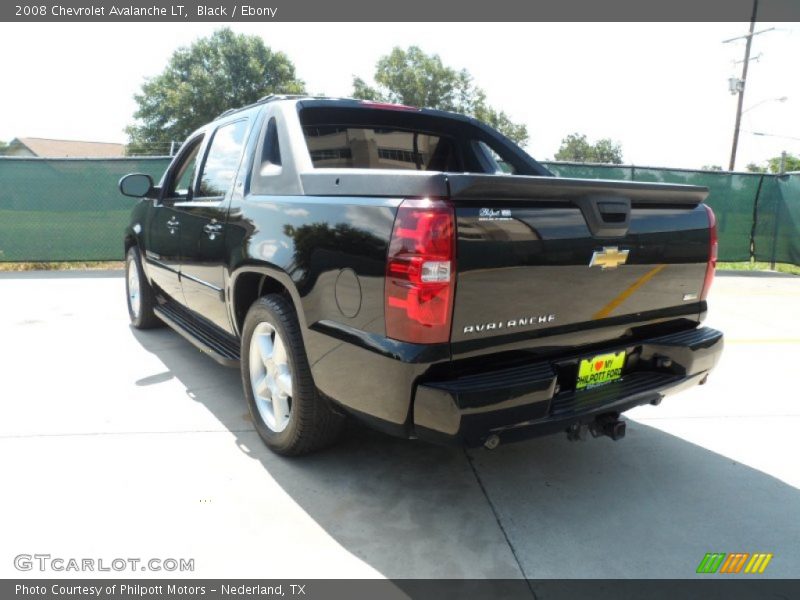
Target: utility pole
739,104
742,82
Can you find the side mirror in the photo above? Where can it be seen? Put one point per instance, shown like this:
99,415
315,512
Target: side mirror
136,185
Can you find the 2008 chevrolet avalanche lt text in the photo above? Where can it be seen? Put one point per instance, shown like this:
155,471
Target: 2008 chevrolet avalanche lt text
418,271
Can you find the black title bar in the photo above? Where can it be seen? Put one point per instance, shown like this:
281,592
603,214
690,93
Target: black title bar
238,11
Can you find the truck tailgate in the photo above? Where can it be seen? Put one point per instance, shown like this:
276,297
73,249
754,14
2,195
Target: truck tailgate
539,257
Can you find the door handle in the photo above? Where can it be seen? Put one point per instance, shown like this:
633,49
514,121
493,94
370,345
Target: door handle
606,216
212,229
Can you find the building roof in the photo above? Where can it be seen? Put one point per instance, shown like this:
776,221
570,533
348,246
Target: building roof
47,148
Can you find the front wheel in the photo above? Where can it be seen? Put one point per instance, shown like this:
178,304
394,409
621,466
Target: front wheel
141,301
287,411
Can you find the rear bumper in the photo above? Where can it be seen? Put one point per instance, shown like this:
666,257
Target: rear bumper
536,399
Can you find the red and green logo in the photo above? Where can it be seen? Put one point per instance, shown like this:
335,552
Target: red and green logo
736,562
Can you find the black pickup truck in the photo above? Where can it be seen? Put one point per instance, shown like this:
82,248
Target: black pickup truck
417,270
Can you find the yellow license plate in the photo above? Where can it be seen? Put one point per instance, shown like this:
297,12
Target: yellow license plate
600,369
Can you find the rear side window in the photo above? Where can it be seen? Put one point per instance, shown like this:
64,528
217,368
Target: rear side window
272,148
498,164
362,147
222,160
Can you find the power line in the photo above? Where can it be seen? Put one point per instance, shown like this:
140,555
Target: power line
784,137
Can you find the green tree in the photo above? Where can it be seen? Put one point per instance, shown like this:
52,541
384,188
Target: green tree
711,168
3,147
792,164
213,74
755,168
576,148
773,165
418,79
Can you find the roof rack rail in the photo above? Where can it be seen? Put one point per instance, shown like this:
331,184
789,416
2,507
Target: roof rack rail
227,112
271,97
263,100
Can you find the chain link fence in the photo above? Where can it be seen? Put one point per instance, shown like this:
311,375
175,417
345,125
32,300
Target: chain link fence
70,209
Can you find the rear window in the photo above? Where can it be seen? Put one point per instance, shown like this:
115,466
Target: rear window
364,147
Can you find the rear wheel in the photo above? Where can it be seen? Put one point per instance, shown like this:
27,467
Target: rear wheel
141,300
288,412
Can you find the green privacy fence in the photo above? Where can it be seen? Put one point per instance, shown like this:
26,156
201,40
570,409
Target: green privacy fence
66,209
70,209
776,233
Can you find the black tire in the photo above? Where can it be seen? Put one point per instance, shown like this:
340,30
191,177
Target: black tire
146,318
312,423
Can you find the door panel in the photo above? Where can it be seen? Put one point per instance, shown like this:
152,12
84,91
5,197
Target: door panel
162,253
164,248
203,241
203,271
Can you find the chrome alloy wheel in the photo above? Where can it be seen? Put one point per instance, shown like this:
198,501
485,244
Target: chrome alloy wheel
134,293
271,377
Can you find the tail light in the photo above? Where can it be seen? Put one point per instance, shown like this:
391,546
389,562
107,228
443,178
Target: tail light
712,252
420,273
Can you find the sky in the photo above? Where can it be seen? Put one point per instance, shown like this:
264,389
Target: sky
659,89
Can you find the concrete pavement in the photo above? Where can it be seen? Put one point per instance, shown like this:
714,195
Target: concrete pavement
119,443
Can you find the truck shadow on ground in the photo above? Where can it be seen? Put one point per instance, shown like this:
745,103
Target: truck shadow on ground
649,506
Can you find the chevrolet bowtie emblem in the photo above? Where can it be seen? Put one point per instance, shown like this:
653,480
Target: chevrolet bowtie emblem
609,257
